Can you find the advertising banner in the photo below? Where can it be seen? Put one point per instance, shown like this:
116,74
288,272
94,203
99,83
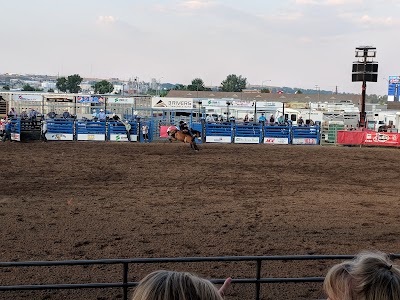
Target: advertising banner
117,100
91,137
171,103
27,97
382,138
304,141
274,140
218,139
15,137
247,140
213,103
90,99
122,137
393,88
370,138
271,105
59,136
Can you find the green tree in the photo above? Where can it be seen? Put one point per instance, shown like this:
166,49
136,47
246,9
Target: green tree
6,87
233,83
298,92
73,83
197,85
265,91
28,88
50,90
180,87
61,84
103,87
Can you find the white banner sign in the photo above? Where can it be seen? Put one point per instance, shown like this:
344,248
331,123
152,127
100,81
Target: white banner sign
91,137
59,136
15,137
247,140
214,103
304,141
274,140
171,103
27,97
122,137
272,105
218,139
243,104
118,100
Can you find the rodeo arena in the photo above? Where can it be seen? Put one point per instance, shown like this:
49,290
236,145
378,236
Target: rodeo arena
98,191
231,118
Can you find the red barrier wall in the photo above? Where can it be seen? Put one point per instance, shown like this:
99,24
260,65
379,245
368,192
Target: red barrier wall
371,138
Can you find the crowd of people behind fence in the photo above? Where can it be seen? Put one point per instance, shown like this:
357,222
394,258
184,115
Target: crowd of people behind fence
369,276
271,121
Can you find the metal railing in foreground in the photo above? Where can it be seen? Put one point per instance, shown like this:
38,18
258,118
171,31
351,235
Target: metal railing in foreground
125,284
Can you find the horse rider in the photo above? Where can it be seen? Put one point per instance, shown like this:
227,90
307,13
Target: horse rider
183,126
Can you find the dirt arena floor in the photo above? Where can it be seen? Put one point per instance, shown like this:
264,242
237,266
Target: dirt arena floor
80,201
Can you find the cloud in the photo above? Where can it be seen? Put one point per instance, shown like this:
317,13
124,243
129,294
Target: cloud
195,4
106,19
328,2
385,21
186,7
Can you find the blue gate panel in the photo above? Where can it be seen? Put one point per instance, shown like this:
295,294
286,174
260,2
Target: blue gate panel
91,131
60,130
277,135
219,133
248,134
117,132
306,135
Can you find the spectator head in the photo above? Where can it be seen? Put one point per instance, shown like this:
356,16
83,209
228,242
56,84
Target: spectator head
101,109
8,121
181,122
170,285
337,283
376,277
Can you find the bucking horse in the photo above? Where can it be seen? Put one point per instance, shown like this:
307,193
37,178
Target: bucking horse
178,135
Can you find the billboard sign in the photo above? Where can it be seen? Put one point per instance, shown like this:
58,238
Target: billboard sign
90,99
120,100
393,88
171,103
27,97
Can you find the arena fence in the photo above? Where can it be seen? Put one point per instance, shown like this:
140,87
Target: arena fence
124,263
111,130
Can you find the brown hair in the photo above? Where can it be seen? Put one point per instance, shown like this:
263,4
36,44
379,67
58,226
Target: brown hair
170,285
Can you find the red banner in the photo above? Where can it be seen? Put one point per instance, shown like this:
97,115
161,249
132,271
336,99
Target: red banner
371,138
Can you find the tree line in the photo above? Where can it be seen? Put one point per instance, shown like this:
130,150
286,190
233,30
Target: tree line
232,83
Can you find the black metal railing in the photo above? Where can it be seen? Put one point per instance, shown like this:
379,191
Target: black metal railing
125,284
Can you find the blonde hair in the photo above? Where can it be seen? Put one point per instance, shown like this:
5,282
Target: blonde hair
369,276
376,276
338,282
170,285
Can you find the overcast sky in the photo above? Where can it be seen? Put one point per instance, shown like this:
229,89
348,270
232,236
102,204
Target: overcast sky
295,43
